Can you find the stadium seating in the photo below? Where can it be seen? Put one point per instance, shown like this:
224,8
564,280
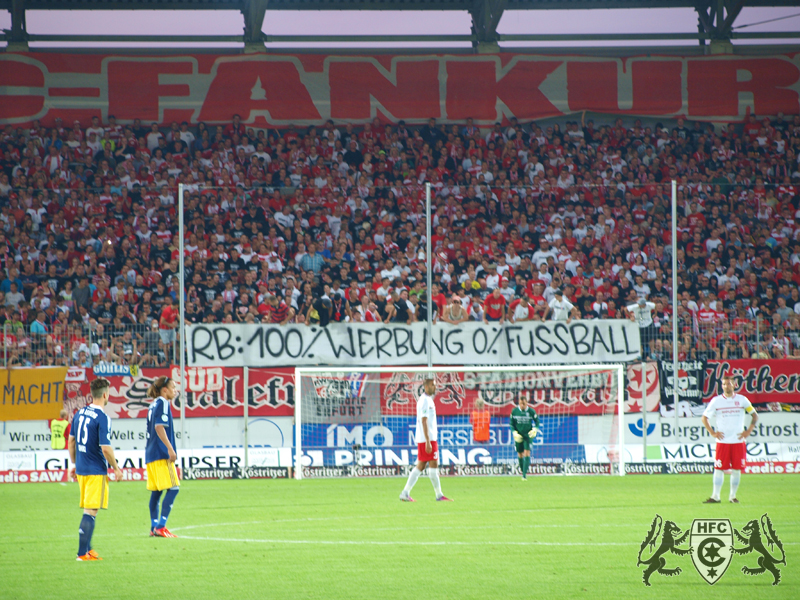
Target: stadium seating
326,224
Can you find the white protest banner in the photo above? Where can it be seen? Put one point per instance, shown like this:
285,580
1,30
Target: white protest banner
549,343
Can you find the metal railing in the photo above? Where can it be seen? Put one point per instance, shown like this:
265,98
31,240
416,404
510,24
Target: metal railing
725,337
86,345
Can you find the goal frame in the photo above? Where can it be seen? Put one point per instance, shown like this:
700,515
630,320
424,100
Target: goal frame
299,372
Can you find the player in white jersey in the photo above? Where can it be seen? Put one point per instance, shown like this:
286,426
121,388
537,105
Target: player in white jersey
427,447
729,409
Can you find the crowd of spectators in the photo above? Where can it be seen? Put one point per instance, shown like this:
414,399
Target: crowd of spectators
315,225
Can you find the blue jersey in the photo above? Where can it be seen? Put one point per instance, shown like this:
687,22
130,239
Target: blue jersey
159,413
91,428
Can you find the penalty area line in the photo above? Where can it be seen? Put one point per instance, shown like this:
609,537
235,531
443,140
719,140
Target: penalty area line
398,543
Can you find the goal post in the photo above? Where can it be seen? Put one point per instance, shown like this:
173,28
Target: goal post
361,421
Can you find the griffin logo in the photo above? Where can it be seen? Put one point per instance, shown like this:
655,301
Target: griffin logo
670,538
405,388
752,537
401,389
711,546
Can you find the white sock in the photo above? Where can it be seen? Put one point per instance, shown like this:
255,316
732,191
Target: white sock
412,479
437,485
719,477
735,477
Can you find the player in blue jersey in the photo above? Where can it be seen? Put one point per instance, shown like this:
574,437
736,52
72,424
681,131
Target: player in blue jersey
89,449
160,455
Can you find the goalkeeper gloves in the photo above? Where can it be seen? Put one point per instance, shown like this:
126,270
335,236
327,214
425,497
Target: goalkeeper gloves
532,433
518,437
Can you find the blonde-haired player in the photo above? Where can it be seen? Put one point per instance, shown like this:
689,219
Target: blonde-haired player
427,447
731,453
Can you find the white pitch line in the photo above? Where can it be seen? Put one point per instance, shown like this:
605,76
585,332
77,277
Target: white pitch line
501,526
344,518
416,515
393,516
401,543
377,517
219,525
370,517
477,527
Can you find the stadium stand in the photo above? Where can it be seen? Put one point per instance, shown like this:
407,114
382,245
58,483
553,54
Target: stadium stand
326,224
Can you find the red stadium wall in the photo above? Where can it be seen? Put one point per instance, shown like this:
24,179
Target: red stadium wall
211,392
283,90
219,391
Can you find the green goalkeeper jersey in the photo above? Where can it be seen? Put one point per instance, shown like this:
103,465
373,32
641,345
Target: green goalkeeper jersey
522,421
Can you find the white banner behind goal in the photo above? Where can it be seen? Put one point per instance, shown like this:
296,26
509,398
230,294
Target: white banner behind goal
362,422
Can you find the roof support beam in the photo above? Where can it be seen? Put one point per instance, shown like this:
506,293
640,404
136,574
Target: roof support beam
715,22
720,14
19,30
253,13
702,25
734,8
486,15
705,20
717,17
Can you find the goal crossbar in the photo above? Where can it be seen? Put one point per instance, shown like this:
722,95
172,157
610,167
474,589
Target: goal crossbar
619,369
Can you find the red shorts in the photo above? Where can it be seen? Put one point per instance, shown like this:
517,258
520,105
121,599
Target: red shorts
730,457
423,456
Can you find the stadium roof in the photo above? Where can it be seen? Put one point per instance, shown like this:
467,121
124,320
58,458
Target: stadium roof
715,18
373,4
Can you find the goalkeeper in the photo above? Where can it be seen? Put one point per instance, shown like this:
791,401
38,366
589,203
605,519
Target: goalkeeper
524,424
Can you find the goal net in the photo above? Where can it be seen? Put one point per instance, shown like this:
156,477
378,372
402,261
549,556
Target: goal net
362,422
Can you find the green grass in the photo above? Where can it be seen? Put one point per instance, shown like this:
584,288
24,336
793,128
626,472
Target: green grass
549,537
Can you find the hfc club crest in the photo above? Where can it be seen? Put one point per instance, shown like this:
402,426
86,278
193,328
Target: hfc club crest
710,543
711,546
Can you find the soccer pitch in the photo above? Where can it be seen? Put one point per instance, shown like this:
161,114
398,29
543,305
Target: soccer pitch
548,537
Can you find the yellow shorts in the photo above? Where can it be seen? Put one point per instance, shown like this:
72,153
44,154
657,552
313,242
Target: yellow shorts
161,475
94,491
